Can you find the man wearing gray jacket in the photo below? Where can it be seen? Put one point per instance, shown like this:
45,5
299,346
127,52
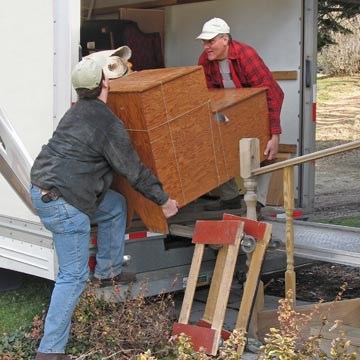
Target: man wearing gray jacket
70,189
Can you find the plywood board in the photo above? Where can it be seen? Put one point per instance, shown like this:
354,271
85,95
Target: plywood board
348,311
329,333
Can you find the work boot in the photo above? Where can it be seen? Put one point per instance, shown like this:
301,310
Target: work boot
124,278
234,203
51,356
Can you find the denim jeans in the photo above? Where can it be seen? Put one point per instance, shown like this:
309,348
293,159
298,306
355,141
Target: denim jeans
71,236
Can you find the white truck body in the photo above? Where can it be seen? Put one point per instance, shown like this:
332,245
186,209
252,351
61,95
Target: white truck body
40,45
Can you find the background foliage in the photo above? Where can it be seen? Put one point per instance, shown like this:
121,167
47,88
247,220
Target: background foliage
332,18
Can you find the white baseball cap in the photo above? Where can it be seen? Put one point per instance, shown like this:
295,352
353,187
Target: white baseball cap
213,28
87,74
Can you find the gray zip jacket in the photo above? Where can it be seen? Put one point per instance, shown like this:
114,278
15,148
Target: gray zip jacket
90,143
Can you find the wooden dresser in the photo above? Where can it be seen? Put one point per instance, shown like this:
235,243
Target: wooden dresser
186,134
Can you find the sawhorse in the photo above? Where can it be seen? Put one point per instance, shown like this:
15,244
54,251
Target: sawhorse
229,233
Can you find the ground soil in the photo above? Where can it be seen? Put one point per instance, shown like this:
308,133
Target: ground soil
318,281
337,178
337,195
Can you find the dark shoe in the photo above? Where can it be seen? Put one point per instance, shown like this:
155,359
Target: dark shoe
51,356
259,206
124,278
209,197
225,204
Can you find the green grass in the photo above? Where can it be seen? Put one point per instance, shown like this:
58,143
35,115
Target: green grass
18,307
333,88
352,222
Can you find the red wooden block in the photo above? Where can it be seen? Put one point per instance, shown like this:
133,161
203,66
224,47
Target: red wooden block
201,337
215,232
224,333
251,227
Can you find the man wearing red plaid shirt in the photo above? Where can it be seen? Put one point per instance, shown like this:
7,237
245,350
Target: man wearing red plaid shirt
231,64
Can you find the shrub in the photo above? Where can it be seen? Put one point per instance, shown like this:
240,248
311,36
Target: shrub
139,329
342,58
101,329
121,329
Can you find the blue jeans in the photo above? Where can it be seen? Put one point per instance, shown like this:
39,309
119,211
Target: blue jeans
71,236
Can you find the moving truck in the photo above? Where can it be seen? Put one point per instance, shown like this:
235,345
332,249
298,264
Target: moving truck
40,45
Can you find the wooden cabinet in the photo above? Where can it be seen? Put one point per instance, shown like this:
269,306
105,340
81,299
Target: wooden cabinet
170,116
237,114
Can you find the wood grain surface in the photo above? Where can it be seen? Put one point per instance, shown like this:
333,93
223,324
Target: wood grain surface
170,117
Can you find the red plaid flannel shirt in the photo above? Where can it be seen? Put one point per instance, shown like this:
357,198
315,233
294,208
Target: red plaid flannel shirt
248,70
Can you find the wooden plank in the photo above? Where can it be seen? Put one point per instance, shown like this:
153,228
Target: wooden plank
346,310
285,75
352,332
258,303
214,291
191,284
218,276
216,232
275,195
288,148
227,274
252,280
328,333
